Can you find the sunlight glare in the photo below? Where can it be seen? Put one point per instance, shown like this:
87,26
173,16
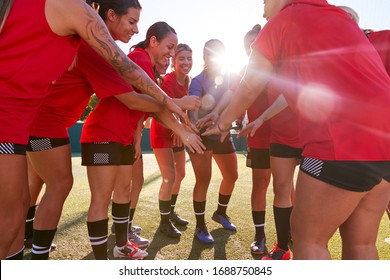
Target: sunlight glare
316,102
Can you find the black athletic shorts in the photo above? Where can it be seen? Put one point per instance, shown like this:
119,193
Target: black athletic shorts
178,149
36,144
214,144
106,153
357,176
12,149
284,151
258,158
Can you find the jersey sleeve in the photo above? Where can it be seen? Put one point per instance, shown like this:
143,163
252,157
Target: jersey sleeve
103,78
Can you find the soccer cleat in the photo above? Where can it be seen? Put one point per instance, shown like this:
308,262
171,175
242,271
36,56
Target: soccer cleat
177,220
203,235
224,220
130,250
169,230
140,241
135,229
277,254
258,246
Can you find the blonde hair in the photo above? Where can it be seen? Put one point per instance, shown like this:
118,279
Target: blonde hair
354,15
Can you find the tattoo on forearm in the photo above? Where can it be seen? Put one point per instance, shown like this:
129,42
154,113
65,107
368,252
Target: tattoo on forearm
106,46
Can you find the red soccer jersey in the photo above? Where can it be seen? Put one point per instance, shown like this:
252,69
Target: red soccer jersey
160,136
111,120
31,58
70,94
261,138
335,81
381,42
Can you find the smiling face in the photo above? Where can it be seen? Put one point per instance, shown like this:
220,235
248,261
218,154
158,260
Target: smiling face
161,52
123,27
183,62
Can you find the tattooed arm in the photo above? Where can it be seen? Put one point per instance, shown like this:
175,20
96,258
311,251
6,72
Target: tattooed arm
75,17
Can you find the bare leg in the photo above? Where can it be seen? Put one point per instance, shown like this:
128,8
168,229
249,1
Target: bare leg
227,164
319,210
14,201
359,232
54,166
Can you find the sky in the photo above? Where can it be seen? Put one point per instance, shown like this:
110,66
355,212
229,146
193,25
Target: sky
228,20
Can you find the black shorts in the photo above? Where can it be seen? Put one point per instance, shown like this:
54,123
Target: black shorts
12,149
258,158
178,149
36,144
357,176
218,148
284,151
106,153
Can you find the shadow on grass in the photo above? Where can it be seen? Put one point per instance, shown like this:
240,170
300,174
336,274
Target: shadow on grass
159,241
221,237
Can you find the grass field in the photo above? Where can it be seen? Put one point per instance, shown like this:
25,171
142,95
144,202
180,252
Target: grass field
72,238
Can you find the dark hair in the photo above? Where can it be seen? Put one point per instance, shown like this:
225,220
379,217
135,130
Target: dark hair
182,47
120,7
248,37
214,46
159,30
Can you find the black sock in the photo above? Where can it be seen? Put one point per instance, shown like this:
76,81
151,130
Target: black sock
165,209
131,217
16,256
42,240
282,224
173,202
223,201
259,222
28,234
98,232
199,209
120,217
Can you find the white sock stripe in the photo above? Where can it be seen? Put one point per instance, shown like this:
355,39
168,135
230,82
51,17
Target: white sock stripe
97,237
259,225
30,220
10,256
120,218
38,247
165,213
96,243
121,221
40,252
225,205
199,214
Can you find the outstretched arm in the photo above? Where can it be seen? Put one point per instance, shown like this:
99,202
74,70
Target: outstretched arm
279,105
256,77
75,17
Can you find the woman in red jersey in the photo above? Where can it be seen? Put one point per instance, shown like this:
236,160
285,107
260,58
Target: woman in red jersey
58,26
344,175
258,159
49,149
381,41
108,152
157,48
170,154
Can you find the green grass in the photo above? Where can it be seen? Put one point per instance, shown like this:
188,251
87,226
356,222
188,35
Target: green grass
72,238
